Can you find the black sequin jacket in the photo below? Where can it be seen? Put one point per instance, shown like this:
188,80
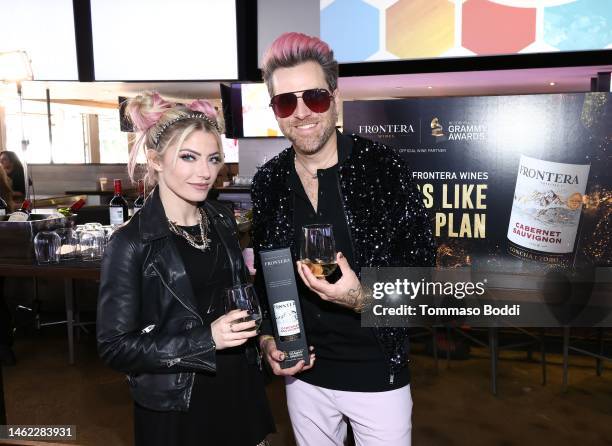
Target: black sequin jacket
387,221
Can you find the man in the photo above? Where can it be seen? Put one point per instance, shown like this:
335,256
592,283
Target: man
365,191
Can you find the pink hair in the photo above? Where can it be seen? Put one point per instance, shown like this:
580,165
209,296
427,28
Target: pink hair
144,121
291,49
203,106
293,44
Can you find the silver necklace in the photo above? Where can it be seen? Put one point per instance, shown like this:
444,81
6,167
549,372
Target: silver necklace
312,175
201,242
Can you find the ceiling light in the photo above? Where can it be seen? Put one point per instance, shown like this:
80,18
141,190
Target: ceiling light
552,84
15,66
429,87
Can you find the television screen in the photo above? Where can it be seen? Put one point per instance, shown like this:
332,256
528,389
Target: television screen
45,31
157,41
257,116
230,149
419,29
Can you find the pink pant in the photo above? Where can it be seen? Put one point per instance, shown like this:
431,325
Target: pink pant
377,418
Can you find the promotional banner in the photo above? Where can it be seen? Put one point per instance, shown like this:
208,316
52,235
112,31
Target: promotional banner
519,188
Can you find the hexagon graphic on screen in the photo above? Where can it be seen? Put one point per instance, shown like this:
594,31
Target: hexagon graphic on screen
580,25
493,28
420,28
351,29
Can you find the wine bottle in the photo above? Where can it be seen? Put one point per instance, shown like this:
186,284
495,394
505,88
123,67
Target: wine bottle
23,213
67,212
546,210
287,321
139,202
118,206
3,207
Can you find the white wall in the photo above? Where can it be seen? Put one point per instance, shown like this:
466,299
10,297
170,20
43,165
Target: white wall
275,17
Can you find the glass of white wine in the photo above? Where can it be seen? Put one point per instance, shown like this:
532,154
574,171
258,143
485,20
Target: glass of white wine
243,297
318,249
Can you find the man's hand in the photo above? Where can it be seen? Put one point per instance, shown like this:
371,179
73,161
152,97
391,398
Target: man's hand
346,292
274,357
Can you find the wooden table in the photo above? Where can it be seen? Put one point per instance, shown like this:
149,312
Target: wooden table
68,272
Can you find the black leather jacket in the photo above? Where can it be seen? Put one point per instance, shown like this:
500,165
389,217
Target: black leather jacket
387,221
148,325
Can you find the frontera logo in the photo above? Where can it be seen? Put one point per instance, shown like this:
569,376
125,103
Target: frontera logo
549,177
277,261
386,130
436,128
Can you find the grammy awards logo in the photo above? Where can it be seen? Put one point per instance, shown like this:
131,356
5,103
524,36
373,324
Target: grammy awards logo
436,128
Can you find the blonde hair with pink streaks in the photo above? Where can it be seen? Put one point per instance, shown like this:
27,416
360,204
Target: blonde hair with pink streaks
151,115
291,49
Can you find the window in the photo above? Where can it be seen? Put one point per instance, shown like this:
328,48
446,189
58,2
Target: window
113,142
73,139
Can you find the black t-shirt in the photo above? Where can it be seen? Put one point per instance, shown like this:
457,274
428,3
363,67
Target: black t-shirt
349,357
18,180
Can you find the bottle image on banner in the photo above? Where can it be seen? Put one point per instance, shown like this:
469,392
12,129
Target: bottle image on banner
118,206
287,322
546,210
139,202
23,213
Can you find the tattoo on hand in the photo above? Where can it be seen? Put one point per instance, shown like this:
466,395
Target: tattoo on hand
352,297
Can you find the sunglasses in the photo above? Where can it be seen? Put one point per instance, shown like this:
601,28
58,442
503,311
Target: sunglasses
316,99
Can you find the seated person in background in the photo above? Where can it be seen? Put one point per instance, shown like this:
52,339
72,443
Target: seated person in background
6,192
14,169
7,357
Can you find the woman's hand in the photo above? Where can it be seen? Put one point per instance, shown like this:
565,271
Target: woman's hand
346,292
230,330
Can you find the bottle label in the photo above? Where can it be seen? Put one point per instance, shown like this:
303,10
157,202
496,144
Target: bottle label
2,211
547,205
19,216
287,322
116,215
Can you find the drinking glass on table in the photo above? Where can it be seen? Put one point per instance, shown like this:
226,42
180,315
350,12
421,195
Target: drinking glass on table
318,249
47,247
243,297
69,244
92,243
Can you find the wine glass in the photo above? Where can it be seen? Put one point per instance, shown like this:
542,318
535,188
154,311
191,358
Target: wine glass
318,249
243,297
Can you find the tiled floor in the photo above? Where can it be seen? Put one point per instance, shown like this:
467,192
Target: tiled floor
451,407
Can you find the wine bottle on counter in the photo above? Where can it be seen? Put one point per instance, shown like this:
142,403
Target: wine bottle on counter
118,206
23,213
3,207
139,202
67,212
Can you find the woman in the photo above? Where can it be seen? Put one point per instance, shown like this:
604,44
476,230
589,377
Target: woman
192,370
14,169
